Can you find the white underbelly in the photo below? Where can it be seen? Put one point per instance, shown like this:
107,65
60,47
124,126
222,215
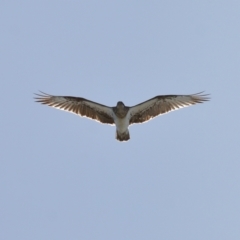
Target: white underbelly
122,124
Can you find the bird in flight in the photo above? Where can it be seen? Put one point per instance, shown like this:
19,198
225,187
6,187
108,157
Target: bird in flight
122,116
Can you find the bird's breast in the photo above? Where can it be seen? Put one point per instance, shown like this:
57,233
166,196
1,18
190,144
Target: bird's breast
120,112
121,123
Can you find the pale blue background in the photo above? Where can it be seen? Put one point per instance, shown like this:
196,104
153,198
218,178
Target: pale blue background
66,177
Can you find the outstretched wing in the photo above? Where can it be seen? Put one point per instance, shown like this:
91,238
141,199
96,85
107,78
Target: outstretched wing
79,106
162,104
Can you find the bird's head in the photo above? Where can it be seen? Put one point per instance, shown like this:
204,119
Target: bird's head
120,105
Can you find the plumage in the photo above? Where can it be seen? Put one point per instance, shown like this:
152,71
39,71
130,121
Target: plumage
122,116
79,106
158,105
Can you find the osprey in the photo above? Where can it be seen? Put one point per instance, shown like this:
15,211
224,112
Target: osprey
122,116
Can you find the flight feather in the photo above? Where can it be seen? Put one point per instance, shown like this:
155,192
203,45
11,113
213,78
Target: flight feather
162,104
79,106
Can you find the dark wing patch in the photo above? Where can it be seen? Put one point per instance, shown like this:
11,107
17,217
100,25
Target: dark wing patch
163,104
79,106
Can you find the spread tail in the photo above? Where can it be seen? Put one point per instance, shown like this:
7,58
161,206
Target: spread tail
122,136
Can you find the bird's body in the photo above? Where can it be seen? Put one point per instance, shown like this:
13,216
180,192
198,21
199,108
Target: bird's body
122,116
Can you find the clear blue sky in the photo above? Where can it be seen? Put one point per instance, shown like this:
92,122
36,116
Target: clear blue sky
66,177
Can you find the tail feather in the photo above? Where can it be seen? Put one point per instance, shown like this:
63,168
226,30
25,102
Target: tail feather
123,136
